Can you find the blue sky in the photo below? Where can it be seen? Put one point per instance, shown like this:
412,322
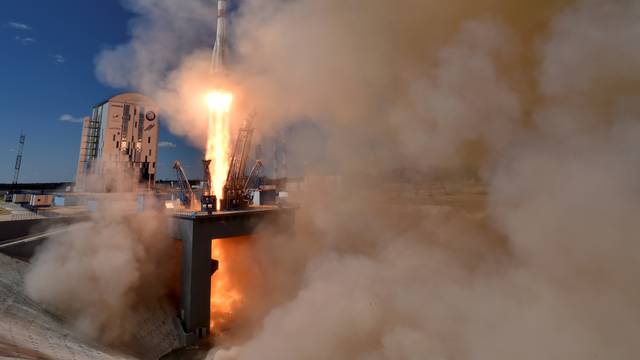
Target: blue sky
47,71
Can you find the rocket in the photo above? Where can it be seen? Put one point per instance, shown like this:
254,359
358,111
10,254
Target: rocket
218,57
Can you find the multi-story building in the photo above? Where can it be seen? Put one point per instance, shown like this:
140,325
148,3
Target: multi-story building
119,142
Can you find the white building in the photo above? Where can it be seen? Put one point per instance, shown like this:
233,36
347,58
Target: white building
120,137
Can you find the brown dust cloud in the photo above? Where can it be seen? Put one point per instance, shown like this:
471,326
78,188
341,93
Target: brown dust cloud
538,101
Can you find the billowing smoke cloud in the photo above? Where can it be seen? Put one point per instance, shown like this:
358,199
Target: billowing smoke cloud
344,63
105,272
545,270
555,276
376,75
161,62
161,36
590,69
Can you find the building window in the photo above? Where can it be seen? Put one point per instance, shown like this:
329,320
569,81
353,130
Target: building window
114,137
149,140
145,159
140,126
153,165
149,152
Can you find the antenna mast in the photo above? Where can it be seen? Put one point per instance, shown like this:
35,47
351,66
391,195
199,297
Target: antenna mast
16,174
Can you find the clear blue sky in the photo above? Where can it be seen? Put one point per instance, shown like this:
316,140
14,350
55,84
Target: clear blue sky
46,71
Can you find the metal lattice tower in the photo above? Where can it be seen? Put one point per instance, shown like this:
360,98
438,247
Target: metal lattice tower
236,176
16,174
206,177
186,194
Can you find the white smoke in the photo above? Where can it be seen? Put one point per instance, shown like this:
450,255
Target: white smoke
161,36
342,71
160,59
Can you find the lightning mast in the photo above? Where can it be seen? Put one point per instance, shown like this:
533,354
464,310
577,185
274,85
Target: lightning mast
16,174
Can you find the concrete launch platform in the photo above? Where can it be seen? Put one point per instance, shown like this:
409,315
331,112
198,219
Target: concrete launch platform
196,230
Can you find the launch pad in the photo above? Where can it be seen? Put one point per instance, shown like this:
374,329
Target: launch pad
196,231
233,198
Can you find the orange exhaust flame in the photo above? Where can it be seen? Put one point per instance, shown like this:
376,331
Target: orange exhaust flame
219,104
226,296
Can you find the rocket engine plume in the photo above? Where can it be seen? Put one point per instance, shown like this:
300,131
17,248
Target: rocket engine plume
223,295
219,103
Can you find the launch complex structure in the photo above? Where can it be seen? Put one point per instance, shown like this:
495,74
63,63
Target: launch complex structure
230,215
123,132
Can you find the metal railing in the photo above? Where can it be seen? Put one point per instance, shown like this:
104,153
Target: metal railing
26,216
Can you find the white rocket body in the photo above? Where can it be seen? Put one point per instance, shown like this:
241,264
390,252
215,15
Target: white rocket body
218,57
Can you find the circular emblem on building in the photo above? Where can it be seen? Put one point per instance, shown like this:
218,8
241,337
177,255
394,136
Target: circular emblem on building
150,116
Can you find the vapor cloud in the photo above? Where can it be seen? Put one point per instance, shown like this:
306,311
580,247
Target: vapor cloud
166,144
25,40
18,25
58,59
70,118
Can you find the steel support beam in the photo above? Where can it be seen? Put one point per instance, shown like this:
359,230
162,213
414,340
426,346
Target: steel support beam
196,231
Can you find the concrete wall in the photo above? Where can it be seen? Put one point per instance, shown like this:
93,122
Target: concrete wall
19,228
10,230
